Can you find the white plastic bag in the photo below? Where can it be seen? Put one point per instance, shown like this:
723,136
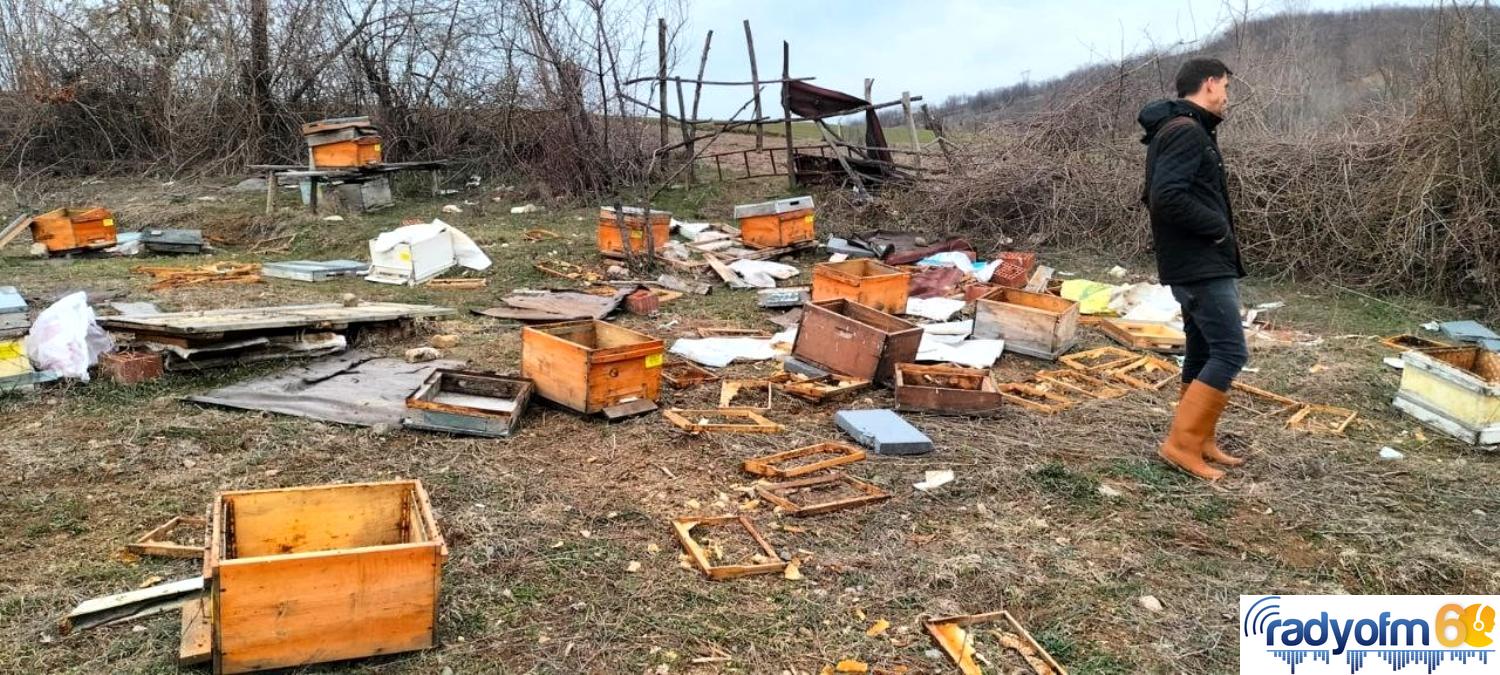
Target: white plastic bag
65,339
762,273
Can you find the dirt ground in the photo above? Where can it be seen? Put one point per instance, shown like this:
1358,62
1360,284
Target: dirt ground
543,527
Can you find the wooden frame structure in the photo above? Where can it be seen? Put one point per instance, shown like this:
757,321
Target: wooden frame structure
1033,398
1336,419
777,494
683,528
1147,372
951,633
1099,360
158,541
684,374
754,423
773,466
1081,382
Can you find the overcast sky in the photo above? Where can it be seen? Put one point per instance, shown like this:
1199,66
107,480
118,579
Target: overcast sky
938,48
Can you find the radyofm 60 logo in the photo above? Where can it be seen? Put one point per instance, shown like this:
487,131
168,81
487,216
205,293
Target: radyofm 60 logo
1311,634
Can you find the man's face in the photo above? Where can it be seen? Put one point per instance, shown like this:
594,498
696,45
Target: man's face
1216,95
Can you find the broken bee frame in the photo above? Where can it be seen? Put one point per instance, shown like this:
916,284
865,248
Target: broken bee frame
776,493
819,390
733,333
1148,335
684,529
1025,395
1340,419
1408,341
754,423
837,454
945,632
158,542
729,389
1287,404
1147,372
1081,382
1101,359
684,374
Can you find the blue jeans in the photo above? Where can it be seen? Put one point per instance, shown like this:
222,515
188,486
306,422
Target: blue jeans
1216,349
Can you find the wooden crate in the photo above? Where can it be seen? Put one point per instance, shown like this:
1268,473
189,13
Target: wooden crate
67,230
775,224
1149,335
1034,324
946,390
848,338
469,403
610,241
864,281
591,365
326,573
347,154
1455,390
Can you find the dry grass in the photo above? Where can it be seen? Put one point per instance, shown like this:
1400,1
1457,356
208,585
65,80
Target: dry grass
543,525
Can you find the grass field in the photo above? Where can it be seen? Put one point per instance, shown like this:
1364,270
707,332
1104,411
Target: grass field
544,526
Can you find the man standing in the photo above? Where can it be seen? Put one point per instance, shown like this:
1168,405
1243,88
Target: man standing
1192,227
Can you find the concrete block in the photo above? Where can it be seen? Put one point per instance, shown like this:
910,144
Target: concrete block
883,431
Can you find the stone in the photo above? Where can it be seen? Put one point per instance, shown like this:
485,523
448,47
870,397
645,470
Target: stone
883,431
1150,603
446,341
1390,454
422,354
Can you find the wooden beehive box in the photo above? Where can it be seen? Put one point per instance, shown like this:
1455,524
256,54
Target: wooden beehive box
471,403
776,224
1034,324
347,154
326,573
1151,335
946,390
591,365
864,281
609,236
1455,390
845,337
67,230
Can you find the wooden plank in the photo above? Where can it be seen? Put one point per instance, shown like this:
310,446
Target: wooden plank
753,422
158,541
1101,359
760,129
130,604
196,645
728,275
319,518
302,608
264,318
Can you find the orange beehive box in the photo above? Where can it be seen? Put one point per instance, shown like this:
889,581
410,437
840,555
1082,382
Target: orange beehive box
864,281
356,152
610,242
324,573
591,365
66,230
775,224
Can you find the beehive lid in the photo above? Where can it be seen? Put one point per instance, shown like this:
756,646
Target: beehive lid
779,206
635,211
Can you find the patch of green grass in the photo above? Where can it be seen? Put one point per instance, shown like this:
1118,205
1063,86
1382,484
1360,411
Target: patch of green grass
1212,510
1057,479
1079,658
1148,472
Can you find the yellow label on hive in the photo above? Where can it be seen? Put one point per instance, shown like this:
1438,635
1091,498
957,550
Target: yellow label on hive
109,222
406,256
808,218
653,361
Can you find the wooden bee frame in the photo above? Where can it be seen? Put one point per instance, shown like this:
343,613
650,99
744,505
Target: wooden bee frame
158,542
684,374
951,635
1032,398
1081,382
1408,341
683,527
1101,359
836,454
754,423
1148,335
1273,403
729,389
819,390
733,333
776,493
1337,419
1147,372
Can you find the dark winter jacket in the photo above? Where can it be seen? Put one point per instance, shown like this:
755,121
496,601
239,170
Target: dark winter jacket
1186,191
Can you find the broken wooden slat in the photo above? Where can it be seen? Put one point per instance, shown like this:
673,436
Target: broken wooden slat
772,466
131,604
158,541
459,284
1039,279
1101,359
1317,418
733,332
1034,398
684,374
728,275
690,421
729,389
778,494
953,635
196,645
821,389
1278,403
1081,382
683,527
1147,372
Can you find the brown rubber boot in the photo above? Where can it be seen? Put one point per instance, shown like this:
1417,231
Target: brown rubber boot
1196,413
1211,451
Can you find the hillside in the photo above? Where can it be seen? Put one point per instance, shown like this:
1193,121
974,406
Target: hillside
1318,65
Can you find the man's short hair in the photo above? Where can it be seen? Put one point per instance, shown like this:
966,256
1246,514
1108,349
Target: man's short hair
1194,72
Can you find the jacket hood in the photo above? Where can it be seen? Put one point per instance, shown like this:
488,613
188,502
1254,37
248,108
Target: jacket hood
1156,113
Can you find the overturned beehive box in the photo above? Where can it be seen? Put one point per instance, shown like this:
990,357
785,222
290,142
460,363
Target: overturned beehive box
848,338
314,574
469,403
591,365
70,230
1455,390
